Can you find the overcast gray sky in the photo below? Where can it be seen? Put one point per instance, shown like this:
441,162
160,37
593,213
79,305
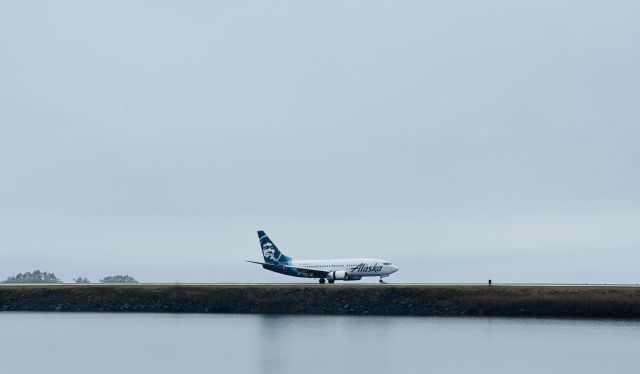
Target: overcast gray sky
462,140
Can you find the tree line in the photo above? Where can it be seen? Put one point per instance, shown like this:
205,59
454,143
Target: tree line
43,277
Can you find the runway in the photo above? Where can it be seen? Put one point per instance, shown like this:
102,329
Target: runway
337,284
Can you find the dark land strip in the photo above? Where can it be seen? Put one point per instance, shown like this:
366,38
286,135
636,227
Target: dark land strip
401,300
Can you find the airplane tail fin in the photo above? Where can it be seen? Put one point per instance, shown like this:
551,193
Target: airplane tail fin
270,252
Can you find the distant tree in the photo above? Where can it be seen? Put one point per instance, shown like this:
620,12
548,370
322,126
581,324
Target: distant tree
34,277
118,279
82,280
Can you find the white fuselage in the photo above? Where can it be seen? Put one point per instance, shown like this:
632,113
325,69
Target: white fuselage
354,267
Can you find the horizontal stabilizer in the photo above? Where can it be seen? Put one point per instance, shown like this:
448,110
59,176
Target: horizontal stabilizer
259,263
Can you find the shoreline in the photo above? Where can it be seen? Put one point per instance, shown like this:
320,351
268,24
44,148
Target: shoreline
575,301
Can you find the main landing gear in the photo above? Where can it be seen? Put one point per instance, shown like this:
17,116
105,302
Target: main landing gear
322,280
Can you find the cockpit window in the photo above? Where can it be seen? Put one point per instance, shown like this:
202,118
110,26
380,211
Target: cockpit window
386,263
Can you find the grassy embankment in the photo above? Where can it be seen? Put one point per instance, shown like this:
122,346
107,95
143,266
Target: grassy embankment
521,301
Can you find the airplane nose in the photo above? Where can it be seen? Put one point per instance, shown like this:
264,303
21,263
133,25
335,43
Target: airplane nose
394,269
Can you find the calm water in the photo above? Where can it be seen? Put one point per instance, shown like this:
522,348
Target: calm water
169,343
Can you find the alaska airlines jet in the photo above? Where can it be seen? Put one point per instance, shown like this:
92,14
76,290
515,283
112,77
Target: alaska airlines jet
324,270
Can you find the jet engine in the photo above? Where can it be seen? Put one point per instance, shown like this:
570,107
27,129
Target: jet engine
342,275
339,275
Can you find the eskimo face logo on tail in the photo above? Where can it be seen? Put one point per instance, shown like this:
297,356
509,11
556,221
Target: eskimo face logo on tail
269,251
363,268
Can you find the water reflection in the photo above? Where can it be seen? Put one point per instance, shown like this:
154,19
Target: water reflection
159,344
344,343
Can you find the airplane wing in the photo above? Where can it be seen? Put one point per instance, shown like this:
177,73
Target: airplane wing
310,273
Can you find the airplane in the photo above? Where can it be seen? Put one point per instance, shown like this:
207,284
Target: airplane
324,270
